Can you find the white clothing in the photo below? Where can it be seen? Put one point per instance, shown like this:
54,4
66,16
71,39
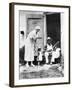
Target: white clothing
49,47
21,41
46,57
29,45
40,56
55,54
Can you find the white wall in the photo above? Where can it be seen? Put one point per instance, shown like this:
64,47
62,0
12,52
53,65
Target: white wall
62,33
4,44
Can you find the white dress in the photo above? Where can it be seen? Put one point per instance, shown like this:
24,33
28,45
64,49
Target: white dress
40,56
29,46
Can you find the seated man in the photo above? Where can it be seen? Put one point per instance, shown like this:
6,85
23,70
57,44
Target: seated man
49,49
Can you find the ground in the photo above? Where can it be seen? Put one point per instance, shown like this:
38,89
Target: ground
45,71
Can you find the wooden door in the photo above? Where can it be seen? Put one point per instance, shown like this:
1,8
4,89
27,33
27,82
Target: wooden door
32,22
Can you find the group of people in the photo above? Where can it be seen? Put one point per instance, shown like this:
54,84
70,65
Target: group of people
49,51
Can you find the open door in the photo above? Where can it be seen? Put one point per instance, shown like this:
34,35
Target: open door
53,27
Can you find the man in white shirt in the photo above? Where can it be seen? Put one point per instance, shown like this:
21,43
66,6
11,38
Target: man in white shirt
49,49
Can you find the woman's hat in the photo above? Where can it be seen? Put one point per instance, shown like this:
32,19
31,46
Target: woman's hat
37,27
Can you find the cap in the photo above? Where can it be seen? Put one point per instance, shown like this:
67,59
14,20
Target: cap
37,27
48,38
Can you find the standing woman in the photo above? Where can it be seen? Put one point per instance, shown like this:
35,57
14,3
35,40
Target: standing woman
30,44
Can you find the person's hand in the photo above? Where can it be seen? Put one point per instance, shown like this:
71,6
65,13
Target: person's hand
39,38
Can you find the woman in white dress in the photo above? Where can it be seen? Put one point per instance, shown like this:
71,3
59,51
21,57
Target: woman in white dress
29,45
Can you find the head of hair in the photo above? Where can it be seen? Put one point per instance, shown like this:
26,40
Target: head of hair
39,49
22,32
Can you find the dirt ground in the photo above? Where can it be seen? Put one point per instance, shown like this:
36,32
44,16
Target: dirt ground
46,71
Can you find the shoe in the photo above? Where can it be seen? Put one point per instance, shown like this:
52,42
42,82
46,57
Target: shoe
53,63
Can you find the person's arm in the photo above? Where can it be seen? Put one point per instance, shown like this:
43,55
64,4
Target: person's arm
33,39
39,38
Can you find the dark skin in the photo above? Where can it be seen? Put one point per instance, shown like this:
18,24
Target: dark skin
49,42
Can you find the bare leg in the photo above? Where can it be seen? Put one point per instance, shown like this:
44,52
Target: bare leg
32,63
46,56
27,65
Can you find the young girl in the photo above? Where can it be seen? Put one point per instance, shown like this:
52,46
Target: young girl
39,56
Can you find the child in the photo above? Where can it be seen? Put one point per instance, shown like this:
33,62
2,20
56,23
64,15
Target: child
39,55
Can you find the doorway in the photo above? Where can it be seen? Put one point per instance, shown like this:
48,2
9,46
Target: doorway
53,27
